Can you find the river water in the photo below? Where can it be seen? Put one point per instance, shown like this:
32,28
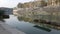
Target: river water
29,27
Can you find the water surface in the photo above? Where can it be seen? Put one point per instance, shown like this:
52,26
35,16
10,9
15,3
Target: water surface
28,27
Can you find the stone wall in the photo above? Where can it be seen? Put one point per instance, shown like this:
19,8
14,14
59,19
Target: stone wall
32,4
53,2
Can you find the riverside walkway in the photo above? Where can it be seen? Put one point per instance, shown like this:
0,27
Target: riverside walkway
6,29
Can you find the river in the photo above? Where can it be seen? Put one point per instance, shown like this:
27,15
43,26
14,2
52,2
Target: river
30,27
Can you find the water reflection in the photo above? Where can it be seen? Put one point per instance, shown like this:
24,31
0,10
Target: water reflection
4,17
28,26
38,24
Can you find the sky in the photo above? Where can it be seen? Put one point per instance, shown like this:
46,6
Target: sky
12,3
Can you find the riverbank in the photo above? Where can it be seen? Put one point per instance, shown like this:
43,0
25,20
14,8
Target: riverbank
6,29
26,19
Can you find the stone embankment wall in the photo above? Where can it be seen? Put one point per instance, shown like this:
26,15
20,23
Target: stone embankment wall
46,13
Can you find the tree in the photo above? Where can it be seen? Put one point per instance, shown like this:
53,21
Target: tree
19,5
1,12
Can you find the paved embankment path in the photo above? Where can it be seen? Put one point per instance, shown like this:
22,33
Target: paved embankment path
6,29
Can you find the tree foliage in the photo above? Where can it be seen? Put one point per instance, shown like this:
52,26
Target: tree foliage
1,12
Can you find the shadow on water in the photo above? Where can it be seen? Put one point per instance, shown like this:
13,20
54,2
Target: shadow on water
43,28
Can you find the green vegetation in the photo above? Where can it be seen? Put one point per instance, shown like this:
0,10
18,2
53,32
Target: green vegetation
1,12
20,5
